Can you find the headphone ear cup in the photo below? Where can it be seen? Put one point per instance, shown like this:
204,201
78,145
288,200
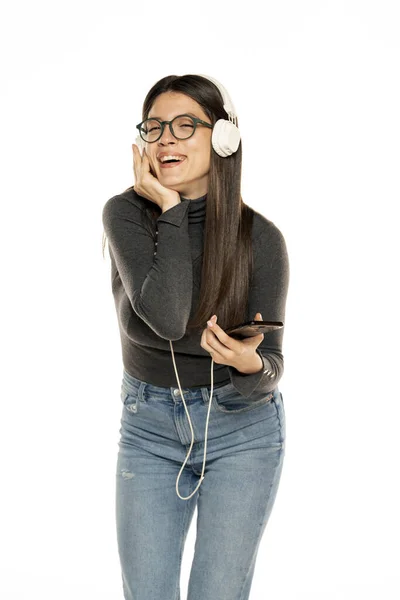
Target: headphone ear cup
225,137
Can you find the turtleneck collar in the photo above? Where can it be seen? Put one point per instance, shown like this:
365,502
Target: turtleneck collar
197,209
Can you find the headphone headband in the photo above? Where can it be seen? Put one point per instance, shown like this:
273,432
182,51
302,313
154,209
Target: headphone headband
228,104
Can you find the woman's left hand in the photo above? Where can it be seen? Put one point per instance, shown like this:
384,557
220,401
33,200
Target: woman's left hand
226,350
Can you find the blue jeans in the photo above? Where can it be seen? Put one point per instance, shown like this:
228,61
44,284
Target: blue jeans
245,452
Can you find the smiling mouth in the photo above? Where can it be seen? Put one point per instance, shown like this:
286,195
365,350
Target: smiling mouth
171,165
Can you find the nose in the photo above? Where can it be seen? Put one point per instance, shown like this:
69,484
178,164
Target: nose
166,136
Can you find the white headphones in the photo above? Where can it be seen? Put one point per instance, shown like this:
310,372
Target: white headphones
226,135
225,141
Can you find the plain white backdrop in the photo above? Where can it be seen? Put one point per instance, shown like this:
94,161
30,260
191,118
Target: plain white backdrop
316,88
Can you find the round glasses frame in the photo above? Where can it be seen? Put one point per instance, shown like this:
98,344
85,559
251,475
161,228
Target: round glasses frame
195,120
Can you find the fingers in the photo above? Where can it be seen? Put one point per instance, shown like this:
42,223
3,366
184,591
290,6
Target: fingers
138,163
210,344
222,336
221,341
137,152
136,156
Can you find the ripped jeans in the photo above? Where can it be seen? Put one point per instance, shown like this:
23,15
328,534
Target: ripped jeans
245,452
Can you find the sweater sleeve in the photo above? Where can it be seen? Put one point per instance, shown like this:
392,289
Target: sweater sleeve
268,293
157,276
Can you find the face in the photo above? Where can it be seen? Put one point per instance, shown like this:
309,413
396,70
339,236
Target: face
190,177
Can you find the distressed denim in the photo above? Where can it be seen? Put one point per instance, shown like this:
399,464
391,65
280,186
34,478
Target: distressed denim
245,452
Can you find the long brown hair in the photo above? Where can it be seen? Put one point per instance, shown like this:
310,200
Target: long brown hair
228,255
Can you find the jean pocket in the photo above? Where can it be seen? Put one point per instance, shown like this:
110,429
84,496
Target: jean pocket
232,402
130,400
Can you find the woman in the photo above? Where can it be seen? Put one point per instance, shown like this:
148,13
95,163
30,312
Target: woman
184,247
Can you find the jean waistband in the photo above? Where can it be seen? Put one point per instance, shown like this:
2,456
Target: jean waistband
133,384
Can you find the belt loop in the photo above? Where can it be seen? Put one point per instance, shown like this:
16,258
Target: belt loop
141,391
205,394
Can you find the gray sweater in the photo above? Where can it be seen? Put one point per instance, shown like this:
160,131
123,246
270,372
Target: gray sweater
156,290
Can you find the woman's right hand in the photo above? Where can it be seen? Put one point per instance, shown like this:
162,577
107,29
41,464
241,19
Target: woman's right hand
148,186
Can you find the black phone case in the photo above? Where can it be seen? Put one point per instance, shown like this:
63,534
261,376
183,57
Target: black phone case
252,328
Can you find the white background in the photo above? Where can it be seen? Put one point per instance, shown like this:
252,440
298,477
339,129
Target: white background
324,78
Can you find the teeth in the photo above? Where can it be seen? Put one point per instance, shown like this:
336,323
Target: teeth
164,158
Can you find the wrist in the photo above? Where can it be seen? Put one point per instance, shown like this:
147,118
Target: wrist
170,200
254,366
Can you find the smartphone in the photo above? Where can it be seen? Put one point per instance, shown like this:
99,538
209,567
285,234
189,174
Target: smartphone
252,328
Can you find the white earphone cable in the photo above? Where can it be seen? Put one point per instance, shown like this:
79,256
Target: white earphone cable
191,428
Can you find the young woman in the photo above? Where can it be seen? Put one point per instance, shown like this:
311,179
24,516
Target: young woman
199,407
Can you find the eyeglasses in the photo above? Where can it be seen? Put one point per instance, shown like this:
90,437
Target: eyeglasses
182,127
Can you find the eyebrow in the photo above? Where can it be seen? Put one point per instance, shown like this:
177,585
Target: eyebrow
188,113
